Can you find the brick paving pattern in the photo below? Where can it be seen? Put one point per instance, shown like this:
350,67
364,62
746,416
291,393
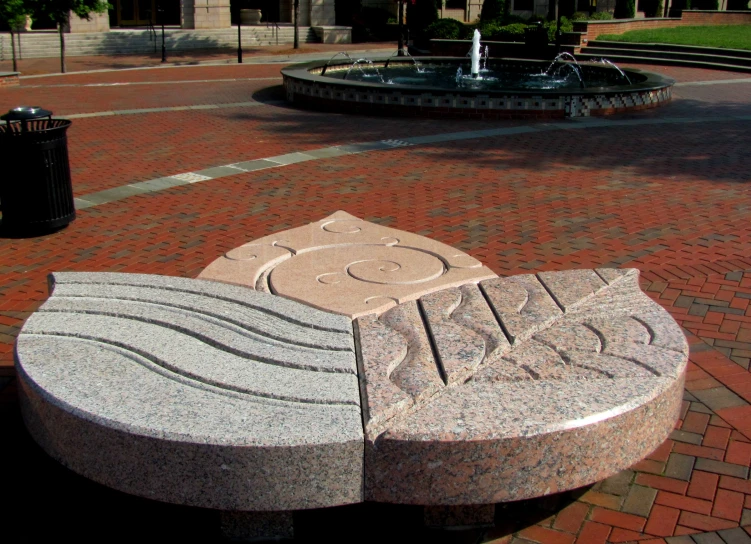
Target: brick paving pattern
669,198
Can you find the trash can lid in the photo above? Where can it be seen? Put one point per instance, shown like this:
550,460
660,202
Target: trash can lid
24,113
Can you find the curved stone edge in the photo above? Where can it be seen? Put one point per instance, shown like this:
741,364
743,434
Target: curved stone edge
518,467
112,416
208,476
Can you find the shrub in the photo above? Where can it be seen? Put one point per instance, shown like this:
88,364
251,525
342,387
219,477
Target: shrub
446,29
551,27
580,16
601,16
503,33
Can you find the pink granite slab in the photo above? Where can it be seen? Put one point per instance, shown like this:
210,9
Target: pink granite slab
348,266
588,381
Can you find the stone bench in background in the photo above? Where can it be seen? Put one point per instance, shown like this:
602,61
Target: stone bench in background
386,367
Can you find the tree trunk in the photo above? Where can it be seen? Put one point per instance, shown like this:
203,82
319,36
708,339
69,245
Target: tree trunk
62,47
13,49
297,24
400,45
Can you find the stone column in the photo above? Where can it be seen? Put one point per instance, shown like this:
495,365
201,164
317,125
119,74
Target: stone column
202,14
322,12
99,22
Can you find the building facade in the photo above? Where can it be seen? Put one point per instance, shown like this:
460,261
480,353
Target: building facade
204,14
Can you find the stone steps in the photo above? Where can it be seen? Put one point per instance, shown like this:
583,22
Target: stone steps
47,44
678,55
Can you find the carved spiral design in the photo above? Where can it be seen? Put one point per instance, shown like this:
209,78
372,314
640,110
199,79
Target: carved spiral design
408,266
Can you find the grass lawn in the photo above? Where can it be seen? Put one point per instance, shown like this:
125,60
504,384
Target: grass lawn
727,36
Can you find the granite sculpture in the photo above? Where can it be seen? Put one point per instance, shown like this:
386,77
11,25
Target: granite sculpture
425,379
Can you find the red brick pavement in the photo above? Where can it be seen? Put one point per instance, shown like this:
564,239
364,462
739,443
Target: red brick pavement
667,199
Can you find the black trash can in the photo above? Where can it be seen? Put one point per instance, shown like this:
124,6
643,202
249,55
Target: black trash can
36,194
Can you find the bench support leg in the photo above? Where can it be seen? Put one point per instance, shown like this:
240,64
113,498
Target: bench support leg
460,517
252,526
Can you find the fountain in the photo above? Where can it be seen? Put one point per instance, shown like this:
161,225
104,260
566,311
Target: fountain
404,53
476,54
610,63
358,64
478,87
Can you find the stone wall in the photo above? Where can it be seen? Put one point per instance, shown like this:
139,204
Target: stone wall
695,17
312,12
592,29
98,22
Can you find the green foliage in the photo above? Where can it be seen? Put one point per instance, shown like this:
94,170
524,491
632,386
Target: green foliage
493,10
596,16
59,10
446,29
552,26
625,9
725,36
13,12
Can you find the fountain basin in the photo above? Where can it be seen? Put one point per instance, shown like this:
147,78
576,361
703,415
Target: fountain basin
323,86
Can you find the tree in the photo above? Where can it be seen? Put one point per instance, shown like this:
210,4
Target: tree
297,24
59,11
14,12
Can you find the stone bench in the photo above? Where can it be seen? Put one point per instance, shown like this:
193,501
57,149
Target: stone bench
445,388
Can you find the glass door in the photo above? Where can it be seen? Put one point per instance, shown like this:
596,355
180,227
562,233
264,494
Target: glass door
135,12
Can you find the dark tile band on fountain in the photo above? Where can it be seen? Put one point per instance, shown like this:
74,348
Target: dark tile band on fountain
313,85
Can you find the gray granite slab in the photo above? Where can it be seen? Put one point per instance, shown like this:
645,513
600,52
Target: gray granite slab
243,332
274,306
177,404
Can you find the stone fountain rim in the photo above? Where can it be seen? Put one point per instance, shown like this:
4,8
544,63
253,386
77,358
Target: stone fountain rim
303,71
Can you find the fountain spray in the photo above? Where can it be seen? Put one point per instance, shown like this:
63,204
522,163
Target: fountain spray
476,54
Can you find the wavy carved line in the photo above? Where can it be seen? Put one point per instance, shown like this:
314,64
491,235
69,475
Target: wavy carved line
650,330
645,366
171,372
243,304
206,340
598,334
491,344
222,320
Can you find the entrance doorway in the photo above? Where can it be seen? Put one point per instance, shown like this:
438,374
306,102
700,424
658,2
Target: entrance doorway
143,12
135,12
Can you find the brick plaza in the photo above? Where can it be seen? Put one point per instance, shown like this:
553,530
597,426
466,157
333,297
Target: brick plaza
661,190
